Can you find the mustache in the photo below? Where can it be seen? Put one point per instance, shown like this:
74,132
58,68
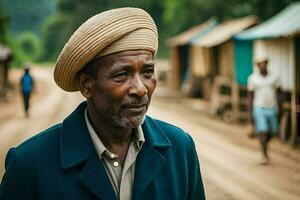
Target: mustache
136,101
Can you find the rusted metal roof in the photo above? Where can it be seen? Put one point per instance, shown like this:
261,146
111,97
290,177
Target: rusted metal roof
225,31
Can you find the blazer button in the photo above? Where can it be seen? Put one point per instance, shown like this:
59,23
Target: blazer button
116,164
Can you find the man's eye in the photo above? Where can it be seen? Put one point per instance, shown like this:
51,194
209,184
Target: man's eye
148,72
120,76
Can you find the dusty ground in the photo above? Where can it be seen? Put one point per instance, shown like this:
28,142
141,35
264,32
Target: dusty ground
229,159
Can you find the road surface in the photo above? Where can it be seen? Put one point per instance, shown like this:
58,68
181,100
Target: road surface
229,160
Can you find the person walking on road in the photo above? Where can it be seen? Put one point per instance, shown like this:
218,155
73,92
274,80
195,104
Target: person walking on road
27,84
107,148
263,92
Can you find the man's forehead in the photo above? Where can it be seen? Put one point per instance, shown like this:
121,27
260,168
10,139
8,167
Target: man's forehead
128,56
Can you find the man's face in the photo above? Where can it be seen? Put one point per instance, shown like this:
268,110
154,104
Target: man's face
262,66
122,89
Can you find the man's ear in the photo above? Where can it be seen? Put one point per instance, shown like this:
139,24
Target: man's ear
85,83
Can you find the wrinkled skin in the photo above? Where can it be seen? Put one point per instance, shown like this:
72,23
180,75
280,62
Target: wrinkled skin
118,93
121,89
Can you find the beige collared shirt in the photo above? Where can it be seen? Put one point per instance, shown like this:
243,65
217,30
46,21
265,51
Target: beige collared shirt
121,177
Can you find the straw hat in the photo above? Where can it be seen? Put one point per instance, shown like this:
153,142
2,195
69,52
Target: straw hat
103,34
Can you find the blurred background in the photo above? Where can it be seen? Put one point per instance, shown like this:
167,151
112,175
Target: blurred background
207,50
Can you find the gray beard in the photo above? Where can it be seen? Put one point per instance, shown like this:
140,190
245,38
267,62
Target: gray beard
123,121
126,123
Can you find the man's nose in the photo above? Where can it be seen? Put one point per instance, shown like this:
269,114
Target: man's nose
137,86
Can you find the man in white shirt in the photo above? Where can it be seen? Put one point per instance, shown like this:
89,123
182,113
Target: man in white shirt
263,95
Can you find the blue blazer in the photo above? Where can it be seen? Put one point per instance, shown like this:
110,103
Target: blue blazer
61,163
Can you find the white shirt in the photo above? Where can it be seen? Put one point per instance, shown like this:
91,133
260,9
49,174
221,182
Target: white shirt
121,177
264,88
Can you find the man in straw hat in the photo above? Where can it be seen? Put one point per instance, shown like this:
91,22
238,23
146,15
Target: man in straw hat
263,104
107,148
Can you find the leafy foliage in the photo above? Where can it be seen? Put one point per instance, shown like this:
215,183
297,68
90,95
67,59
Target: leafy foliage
22,27
29,46
3,25
171,16
52,37
28,15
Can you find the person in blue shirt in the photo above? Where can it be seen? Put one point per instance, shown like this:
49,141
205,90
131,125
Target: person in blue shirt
26,89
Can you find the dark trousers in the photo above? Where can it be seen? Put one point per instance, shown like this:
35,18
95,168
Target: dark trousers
26,97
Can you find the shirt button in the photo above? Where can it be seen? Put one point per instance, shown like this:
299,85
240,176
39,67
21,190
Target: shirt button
113,156
116,164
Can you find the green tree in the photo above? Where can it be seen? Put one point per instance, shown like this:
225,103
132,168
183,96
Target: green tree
29,46
53,37
3,25
171,16
28,15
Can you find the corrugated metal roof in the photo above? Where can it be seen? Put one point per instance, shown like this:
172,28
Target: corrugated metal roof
285,23
186,36
225,31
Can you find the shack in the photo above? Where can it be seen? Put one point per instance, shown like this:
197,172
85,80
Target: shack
279,39
180,50
5,58
212,61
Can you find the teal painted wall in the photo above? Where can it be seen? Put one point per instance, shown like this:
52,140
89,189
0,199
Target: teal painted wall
243,61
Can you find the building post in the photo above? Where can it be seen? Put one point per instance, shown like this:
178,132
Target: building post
294,102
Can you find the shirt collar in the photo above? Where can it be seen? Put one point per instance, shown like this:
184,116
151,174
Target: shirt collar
138,137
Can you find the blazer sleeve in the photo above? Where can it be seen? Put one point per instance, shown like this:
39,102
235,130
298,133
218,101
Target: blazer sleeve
196,188
15,183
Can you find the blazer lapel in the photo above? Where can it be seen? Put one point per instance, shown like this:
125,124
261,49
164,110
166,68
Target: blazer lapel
151,158
95,178
77,148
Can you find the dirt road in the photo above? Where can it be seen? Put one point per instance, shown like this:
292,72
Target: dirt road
49,106
230,169
229,160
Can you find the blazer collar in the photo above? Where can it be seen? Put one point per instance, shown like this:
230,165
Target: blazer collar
77,147
154,134
151,157
76,144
